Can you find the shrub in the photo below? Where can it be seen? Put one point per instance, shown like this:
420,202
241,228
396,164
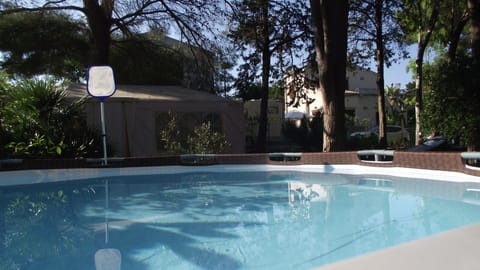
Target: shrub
170,137
452,102
296,131
37,120
308,134
359,143
203,139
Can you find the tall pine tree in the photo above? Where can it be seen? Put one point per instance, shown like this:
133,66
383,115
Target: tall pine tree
266,31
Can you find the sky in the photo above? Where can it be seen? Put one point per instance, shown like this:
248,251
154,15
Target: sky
397,73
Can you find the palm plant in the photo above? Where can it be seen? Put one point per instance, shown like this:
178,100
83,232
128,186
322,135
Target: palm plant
39,120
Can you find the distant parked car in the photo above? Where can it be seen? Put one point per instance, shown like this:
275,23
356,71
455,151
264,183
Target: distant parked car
437,143
395,134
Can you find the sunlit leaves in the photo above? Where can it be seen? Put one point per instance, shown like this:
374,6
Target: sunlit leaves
38,120
43,43
451,102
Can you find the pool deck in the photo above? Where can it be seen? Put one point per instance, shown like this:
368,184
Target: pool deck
456,249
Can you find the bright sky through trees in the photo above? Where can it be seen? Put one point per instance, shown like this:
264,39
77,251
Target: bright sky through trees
397,73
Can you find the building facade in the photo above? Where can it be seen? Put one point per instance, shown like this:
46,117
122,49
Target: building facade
302,94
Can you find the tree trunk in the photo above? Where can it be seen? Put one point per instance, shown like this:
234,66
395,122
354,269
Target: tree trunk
418,91
382,119
454,38
422,45
263,121
474,6
100,22
329,18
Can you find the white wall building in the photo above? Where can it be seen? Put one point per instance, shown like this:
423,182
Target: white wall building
361,97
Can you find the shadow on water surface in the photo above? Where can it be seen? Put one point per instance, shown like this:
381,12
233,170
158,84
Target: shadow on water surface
185,217
142,246
180,224
182,220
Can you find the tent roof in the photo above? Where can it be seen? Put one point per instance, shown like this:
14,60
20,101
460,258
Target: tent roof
150,92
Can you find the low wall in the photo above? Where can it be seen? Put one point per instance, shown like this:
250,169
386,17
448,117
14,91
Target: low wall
445,161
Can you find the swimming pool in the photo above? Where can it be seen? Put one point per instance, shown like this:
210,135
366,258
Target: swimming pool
225,217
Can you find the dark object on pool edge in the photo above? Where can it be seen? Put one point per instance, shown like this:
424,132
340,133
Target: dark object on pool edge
437,143
285,156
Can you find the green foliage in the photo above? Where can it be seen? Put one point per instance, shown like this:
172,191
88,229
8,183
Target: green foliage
296,131
3,81
205,140
176,138
451,103
367,33
41,225
43,210
359,143
249,91
307,133
316,132
170,137
43,43
301,84
224,80
36,146
254,91
141,60
38,120
415,17
276,91
55,44
398,105
452,28
98,24
256,37
265,36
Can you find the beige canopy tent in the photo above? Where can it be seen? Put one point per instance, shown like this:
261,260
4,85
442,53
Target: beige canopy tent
131,115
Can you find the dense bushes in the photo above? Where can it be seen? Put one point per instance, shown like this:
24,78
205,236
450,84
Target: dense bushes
38,120
306,134
451,101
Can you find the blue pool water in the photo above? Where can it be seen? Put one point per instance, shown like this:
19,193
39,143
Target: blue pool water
216,220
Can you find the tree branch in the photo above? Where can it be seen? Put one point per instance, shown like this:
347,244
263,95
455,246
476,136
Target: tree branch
39,9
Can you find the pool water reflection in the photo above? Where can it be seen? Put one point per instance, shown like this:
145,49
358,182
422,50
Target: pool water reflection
207,220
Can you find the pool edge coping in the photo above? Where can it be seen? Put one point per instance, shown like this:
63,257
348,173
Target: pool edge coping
22,177
453,249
